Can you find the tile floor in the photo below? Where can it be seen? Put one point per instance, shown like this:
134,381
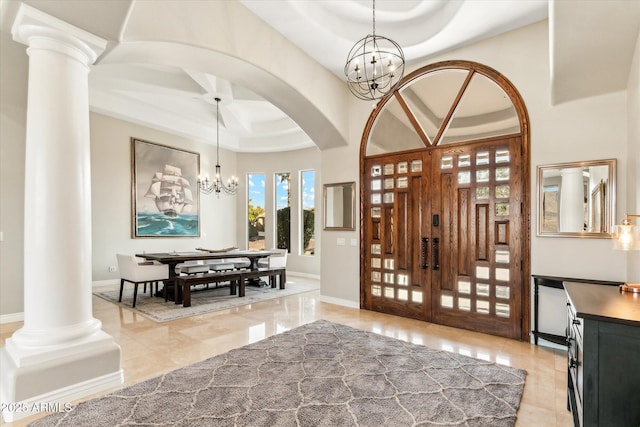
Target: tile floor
149,348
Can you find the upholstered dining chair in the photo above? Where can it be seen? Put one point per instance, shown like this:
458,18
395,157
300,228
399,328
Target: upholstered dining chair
274,261
278,260
136,270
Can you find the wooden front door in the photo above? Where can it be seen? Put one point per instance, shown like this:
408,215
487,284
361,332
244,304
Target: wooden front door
397,210
477,194
444,232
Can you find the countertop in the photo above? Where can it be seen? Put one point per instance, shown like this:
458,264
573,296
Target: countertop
604,303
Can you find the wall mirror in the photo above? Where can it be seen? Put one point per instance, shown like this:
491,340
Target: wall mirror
577,199
340,206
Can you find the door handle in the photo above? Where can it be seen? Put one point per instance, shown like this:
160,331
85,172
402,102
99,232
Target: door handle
436,259
423,252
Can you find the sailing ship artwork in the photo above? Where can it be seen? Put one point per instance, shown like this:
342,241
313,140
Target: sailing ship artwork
170,192
165,191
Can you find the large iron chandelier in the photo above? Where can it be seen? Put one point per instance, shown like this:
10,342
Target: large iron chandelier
375,65
208,186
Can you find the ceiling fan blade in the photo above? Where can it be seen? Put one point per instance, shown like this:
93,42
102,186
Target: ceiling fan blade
212,86
229,115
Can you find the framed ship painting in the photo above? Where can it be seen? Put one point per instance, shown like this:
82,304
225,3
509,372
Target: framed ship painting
164,196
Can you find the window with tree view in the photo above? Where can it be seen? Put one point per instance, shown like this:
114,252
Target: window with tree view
283,210
256,195
308,197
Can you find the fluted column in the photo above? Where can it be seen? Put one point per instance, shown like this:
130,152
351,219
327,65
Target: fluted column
60,336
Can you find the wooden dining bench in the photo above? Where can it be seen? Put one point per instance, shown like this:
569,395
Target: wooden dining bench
279,273
236,278
184,283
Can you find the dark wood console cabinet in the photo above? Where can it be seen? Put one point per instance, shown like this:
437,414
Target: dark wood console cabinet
603,355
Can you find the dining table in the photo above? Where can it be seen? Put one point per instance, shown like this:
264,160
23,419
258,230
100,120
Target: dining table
172,259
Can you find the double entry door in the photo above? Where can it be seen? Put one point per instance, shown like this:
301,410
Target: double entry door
442,235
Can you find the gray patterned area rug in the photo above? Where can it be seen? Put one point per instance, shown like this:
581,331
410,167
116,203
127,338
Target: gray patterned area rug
202,301
319,374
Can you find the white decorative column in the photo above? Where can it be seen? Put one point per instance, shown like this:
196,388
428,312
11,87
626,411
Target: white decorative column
61,353
571,210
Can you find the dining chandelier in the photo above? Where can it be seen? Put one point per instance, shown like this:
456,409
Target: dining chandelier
375,65
216,185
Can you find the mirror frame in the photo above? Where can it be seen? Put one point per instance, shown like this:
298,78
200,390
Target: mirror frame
609,199
351,185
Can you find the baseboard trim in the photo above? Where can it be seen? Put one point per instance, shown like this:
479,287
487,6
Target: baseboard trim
340,301
108,282
11,318
544,343
305,275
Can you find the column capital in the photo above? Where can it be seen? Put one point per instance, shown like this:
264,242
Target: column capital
32,24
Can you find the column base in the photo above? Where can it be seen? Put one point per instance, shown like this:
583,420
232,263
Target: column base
58,376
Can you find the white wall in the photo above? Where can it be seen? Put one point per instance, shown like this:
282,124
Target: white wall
588,129
633,173
223,221
340,273
111,188
593,128
13,116
111,195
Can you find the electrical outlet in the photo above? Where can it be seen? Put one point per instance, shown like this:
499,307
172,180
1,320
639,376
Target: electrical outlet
112,269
